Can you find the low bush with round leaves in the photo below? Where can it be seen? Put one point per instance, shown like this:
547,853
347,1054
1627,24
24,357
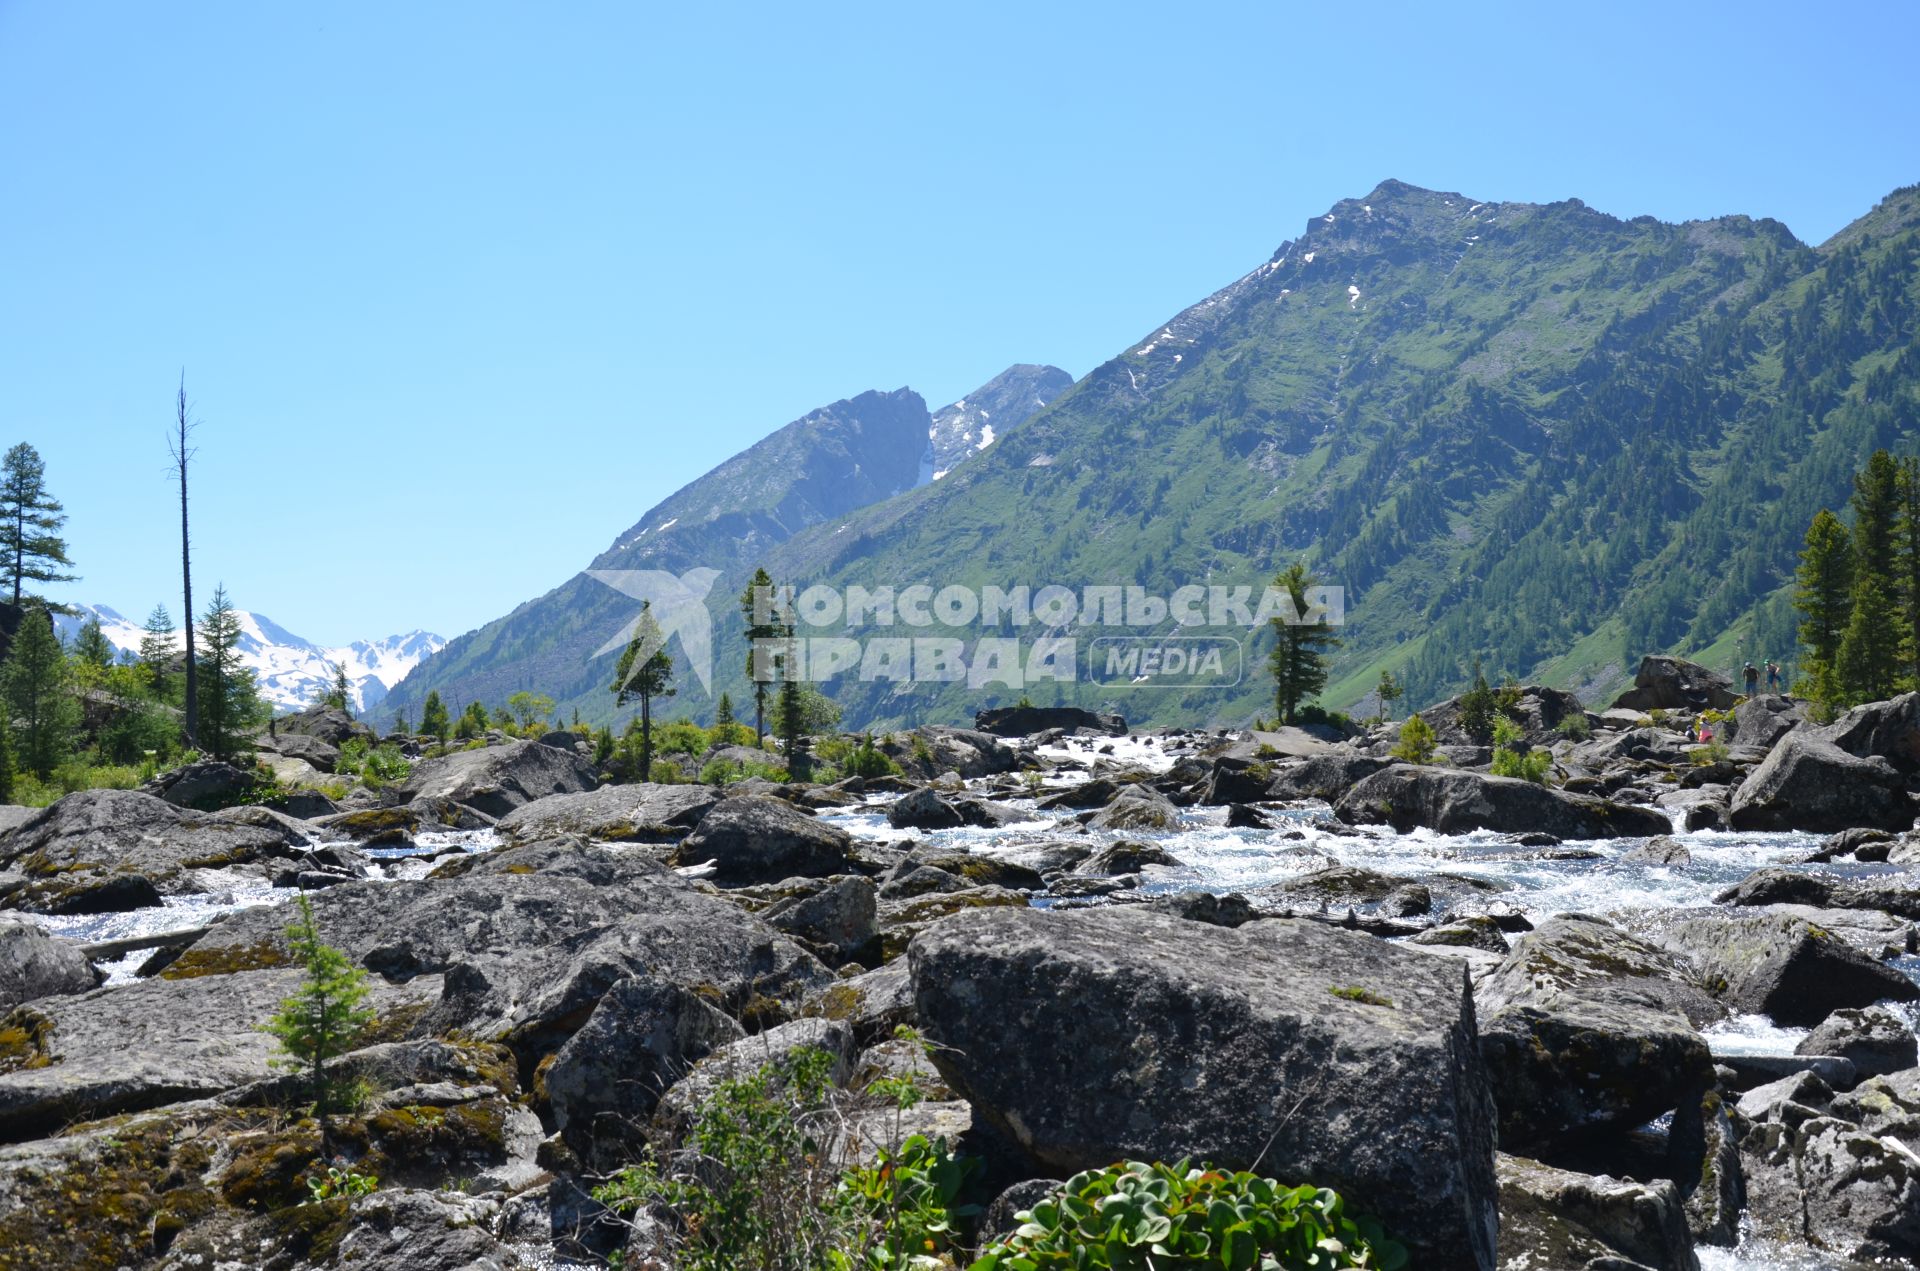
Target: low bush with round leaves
1133,1216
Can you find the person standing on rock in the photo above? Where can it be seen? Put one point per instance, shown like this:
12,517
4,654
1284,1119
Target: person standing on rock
1752,676
1773,677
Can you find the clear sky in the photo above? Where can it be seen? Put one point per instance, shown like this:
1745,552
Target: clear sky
461,290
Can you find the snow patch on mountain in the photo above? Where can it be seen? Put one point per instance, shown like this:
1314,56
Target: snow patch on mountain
291,670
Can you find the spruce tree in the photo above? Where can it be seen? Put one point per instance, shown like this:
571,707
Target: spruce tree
723,712
434,721
1907,550
33,550
37,681
1868,664
762,612
92,646
157,651
1388,691
643,676
1824,597
1299,659
327,1014
229,701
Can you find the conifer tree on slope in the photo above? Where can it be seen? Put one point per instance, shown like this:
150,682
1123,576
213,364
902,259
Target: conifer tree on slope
29,522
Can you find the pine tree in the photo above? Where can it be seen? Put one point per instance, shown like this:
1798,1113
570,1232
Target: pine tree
1824,597
1869,659
37,681
325,1017
229,700
645,672
760,607
92,646
6,759
399,728
29,518
723,712
1907,550
1298,660
433,717
1388,691
337,692
157,651
1876,515
800,711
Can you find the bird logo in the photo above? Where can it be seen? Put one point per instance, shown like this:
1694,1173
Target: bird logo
677,604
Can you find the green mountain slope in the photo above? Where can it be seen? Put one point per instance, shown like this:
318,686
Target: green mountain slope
1536,435
1533,434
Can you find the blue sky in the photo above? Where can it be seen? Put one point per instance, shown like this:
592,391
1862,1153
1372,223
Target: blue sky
462,289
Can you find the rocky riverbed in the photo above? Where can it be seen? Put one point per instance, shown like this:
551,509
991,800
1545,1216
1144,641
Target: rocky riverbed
1657,1015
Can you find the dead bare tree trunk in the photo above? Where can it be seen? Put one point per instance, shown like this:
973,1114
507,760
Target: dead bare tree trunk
177,446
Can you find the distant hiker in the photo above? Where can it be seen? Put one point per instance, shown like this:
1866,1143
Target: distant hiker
1773,677
1752,676
1706,732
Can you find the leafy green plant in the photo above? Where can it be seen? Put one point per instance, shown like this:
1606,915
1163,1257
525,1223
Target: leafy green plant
1712,753
753,1191
338,1181
1173,1218
1416,741
1358,993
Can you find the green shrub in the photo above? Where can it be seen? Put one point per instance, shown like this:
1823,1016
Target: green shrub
1173,1218
1318,714
1712,753
1416,741
724,772
679,737
920,751
1512,759
1575,728
865,760
1266,750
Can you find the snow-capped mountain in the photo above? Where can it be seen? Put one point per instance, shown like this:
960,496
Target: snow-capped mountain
290,670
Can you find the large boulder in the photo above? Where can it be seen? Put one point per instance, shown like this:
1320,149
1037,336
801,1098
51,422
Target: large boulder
1136,807
1454,801
1887,730
1315,1053
756,838
150,1043
495,780
605,1082
1668,683
735,1060
33,964
1585,1027
327,723
98,845
1325,777
939,749
1873,1039
840,920
1773,886
619,814
1783,966
1024,721
1537,710
530,937
1808,783
1839,1174
1762,721
1553,1218
317,753
207,785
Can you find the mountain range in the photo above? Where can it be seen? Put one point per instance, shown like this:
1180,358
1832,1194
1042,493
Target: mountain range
1535,437
291,671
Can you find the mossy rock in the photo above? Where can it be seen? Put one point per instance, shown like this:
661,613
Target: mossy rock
25,1037
370,822
122,1194
263,955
